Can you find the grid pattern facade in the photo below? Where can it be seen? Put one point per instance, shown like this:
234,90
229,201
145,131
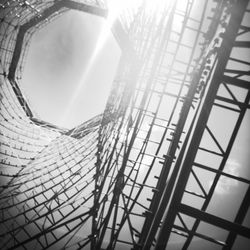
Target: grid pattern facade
146,173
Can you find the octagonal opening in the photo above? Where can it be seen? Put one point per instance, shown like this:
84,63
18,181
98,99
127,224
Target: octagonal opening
69,70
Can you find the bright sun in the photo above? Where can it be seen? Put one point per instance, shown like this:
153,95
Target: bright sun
116,8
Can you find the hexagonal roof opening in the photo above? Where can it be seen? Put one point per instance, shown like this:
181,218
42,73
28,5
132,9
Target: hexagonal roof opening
69,70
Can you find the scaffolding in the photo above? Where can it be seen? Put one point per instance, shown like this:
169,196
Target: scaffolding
147,173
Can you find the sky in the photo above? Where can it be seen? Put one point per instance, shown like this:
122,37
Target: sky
66,80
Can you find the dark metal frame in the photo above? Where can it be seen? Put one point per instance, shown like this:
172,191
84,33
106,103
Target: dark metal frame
122,176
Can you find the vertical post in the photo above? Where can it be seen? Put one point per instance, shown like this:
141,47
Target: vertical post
223,55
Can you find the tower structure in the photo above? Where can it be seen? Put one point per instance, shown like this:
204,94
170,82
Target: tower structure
146,173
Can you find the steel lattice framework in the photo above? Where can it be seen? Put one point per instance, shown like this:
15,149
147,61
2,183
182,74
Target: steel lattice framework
136,176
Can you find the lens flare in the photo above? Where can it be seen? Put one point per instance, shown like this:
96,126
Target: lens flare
115,9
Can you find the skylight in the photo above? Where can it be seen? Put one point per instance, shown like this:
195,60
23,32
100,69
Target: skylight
70,68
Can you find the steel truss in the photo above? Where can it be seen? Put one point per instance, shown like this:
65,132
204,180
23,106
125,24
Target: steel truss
144,174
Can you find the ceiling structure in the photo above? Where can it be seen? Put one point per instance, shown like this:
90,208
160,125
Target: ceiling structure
158,169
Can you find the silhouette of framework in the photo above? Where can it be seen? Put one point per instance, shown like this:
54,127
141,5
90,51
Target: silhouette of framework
134,177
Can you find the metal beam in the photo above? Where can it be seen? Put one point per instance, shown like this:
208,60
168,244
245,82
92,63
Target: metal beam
239,220
238,11
214,220
236,82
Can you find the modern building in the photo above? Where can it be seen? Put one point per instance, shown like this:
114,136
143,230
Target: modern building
165,166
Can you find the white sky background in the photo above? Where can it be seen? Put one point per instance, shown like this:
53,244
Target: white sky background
55,71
